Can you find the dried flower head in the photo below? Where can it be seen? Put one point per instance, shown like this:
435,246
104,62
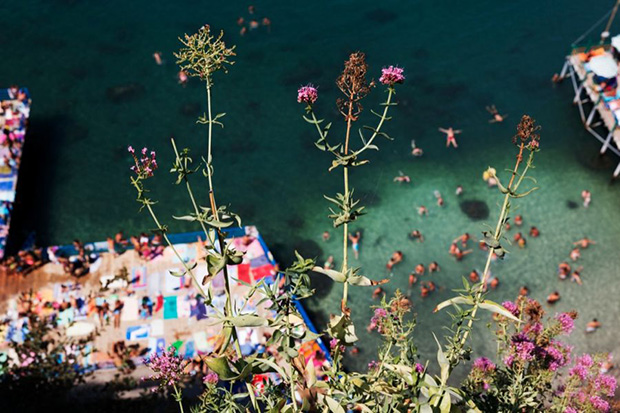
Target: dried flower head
204,54
527,133
353,84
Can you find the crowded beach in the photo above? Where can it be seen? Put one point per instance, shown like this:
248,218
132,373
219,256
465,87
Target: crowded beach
123,290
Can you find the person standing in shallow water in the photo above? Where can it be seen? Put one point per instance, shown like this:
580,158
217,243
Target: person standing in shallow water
355,243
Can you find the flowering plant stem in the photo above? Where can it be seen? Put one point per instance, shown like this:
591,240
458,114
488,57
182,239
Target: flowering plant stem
178,396
497,235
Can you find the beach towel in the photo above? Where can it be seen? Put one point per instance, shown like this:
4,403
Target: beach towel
138,277
170,308
190,349
243,273
153,283
139,332
177,345
130,309
200,342
172,283
254,250
157,327
261,272
259,261
183,307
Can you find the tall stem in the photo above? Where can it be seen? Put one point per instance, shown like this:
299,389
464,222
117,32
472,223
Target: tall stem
179,397
345,242
228,309
496,236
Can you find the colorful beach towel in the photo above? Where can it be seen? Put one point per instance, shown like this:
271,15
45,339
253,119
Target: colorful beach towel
140,332
138,277
157,327
170,307
130,309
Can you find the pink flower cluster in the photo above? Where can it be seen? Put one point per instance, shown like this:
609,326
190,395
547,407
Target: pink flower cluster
566,322
391,75
593,386
484,365
377,320
145,165
167,366
211,378
419,368
512,307
307,94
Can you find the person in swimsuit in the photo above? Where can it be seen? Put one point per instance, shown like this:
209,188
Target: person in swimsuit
355,243
497,118
450,138
419,269
326,236
593,325
584,242
396,258
587,198
329,263
524,291
534,232
576,276
553,297
415,150
402,178
415,234
433,267
518,220
459,190
474,277
183,79
422,210
157,57
575,254
463,238
439,198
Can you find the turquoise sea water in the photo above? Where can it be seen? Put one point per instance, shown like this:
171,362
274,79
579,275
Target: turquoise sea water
458,56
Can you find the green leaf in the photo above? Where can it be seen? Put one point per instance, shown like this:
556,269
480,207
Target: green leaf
453,301
498,309
248,320
444,364
220,366
445,404
333,405
334,275
361,281
185,218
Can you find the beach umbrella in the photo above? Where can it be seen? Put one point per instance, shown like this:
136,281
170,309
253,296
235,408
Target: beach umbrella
615,42
80,328
604,66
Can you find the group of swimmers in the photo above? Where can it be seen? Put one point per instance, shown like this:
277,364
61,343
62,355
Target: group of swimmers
252,22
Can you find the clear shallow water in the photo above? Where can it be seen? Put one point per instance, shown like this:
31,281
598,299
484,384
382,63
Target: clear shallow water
458,58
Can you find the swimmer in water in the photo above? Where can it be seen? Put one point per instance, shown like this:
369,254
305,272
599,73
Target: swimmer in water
497,118
575,254
396,258
377,292
267,23
459,190
494,283
157,57
460,254
584,242
433,267
253,24
463,238
402,178
518,220
251,9
450,138
182,78
474,276
534,232
422,210
419,269
326,236
438,197
521,242
576,276
587,198
593,325
329,264
563,270
412,279
524,291
415,234
554,297
355,243
415,151
240,21
243,31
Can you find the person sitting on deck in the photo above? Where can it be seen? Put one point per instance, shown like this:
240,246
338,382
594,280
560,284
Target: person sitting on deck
495,113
